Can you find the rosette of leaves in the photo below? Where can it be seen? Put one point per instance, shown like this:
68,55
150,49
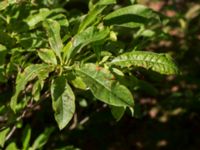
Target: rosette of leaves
87,52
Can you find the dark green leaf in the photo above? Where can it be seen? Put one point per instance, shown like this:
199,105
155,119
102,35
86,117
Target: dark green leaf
117,112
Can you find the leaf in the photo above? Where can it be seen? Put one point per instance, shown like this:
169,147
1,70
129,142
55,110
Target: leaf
161,63
37,87
3,136
3,52
12,146
101,83
42,139
63,101
117,112
3,5
86,37
47,55
131,16
35,70
36,18
93,14
53,30
26,137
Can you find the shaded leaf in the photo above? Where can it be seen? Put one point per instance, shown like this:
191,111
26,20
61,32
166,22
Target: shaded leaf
42,139
35,70
161,63
63,101
101,83
117,112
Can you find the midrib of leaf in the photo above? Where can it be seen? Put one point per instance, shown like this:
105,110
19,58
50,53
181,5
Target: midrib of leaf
104,87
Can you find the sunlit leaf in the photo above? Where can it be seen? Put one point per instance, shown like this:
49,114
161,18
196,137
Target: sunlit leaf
48,56
103,86
63,101
161,63
131,16
53,30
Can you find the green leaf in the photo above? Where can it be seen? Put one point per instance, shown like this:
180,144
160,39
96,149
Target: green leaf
3,52
3,136
36,18
161,63
92,16
37,87
42,139
3,5
26,137
35,70
47,55
86,37
53,30
12,146
131,16
117,112
63,101
104,87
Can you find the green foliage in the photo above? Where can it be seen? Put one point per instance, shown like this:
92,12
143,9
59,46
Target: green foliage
59,55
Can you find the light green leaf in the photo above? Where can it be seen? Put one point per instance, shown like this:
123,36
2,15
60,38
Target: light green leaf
42,139
26,137
117,112
53,30
3,135
48,56
3,5
161,63
37,87
103,86
12,146
131,16
63,101
35,70
36,18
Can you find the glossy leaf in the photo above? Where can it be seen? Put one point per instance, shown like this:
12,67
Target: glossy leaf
131,16
63,101
48,56
103,86
53,30
161,63
35,70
